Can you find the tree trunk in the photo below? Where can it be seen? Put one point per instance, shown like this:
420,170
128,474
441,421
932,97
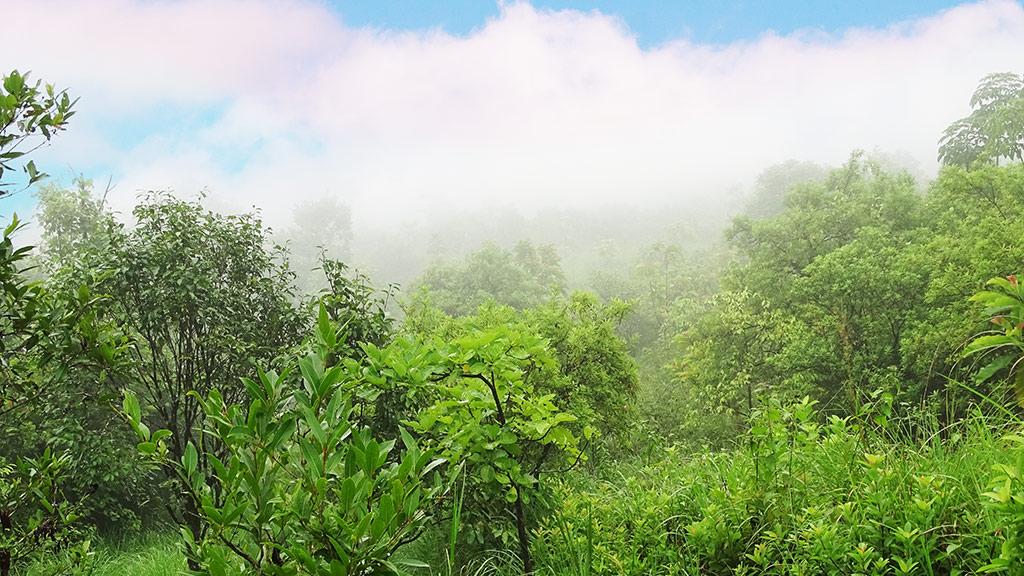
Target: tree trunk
524,535
194,523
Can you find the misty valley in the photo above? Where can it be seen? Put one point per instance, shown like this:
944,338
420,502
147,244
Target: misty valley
815,371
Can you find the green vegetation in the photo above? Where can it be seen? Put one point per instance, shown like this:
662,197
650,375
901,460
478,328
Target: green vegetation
833,388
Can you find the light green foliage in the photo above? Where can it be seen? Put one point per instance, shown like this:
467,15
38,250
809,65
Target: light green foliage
857,301
600,382
30,114
596,379
995,128
73,222
156,554
492,414
820,303
818,219
974,232
801,497
733,354
527,385
523,277
1006,502
665,289
775,183
294,485
664,275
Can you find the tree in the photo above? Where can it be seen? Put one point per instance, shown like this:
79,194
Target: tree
492,414
321,229
30,114
776,182
520,278
975,219
994,130
598,377
73,222
732,354
202,298
820,304
352,301
859,301
818,219
520,389
600,382
41,336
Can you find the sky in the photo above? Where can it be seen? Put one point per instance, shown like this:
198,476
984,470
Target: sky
405,110
652,22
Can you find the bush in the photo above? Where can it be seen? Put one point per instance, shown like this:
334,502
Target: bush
801,497
290,483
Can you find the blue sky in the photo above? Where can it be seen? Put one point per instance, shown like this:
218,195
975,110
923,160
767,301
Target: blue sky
653,21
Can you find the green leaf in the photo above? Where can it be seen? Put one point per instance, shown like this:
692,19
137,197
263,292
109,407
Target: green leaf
130,404
989,342
190,459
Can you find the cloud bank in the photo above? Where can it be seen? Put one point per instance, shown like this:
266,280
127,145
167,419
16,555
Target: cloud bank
271,102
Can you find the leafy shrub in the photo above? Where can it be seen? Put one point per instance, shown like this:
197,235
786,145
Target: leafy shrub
491,415
292,484
35,516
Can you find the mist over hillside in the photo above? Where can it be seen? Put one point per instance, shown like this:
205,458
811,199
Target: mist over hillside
395,288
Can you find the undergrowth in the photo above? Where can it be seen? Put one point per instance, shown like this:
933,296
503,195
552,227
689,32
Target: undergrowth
800,494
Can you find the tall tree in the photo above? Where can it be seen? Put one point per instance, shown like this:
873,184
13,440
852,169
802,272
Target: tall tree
42,335
203,298
73,222
321,229
994,130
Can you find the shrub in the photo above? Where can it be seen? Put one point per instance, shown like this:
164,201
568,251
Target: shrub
292,484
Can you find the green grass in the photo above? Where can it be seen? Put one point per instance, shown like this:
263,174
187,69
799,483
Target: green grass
151,555
804,498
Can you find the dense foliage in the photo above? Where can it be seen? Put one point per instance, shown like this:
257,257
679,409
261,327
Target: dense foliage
522,277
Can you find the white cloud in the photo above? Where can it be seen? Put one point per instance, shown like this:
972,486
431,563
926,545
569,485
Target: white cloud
537,107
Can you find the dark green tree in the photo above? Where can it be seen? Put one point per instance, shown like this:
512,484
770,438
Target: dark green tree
202,297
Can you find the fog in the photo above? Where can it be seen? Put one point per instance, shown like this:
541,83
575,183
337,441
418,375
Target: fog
521,125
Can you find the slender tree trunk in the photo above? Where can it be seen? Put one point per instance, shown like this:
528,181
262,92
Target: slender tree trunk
194,523
524,535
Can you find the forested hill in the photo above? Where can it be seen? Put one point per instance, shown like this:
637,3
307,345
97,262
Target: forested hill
832,385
